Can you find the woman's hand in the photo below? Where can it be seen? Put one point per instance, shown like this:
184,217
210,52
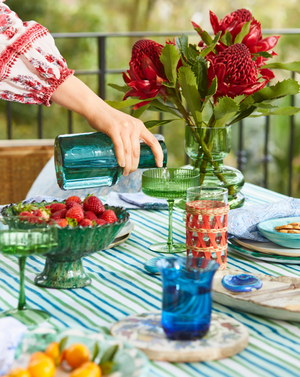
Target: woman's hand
124,130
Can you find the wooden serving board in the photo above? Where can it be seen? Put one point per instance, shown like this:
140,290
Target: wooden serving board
272,305
226,337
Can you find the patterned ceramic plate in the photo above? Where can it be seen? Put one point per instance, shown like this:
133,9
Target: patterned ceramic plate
130,362
261,256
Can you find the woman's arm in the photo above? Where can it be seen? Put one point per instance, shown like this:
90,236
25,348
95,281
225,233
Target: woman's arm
124,130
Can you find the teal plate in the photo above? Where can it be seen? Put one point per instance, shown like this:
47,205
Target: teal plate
261,256
291,240
129,360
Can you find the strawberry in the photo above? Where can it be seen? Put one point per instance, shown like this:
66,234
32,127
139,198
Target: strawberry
59,214
99,222
90,215
75,212
24,215
42,212
85,222
57,207
71,199
109,216
94,204
61,222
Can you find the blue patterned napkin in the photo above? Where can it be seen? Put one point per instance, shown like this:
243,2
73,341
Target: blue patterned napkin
136,200
242,222
11,333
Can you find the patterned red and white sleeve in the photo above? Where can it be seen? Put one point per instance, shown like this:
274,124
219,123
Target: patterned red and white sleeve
31,67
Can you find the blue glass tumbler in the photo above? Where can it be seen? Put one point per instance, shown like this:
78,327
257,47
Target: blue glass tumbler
187,296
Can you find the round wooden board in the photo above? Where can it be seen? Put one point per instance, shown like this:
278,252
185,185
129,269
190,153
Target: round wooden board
226,337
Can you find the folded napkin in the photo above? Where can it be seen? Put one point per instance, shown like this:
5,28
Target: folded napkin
242,222
136,200
11,332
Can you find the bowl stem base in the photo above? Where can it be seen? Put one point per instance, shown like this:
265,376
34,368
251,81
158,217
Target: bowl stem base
63,275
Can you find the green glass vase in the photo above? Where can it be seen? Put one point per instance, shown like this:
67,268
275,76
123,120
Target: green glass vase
207,147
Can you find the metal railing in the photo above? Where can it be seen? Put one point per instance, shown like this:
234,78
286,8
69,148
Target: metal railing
102,71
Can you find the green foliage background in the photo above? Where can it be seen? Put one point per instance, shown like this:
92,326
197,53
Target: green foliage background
165,16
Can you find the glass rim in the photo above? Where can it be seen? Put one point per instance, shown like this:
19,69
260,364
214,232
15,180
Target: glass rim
196,171
212,190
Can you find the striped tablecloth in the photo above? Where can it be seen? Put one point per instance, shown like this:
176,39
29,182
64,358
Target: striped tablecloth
121,286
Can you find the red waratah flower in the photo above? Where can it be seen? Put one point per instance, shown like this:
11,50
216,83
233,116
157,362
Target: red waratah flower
146,72
234,22
236,72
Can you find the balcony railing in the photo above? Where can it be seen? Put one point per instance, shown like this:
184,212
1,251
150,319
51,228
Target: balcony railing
103,70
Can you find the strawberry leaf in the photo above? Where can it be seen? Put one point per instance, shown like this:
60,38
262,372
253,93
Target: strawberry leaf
72,222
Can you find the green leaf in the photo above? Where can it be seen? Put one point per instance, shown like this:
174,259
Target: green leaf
242,34
72,222
187,81
182,44
127,103
239,99
95,351
243,114
224,111
212,46
200,71
104,330
109,354
286,110
281,89
140,111
294,66
158,105
206,38
155,123
264,54
170,58
226,38
211,91
106,367
63,343
124,88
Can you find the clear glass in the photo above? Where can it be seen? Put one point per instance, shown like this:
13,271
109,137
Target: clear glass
22,242
187,297
207,223
169,184
207,147
88,160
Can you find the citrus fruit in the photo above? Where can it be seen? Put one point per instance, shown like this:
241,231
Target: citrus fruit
19,372
41,367
37,355
53,351
88,369
76,355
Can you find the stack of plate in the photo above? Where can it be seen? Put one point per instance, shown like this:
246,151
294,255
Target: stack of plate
266,251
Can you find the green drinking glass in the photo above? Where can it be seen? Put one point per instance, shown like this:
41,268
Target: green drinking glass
169,184
18,239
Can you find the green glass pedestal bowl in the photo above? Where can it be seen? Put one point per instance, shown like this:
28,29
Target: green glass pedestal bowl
63,267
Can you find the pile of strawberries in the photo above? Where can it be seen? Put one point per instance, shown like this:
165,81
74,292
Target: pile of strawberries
73,212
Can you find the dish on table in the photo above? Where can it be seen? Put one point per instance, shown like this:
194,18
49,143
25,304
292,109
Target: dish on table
123,235
273,305
261,256
290,240
268,248
129,361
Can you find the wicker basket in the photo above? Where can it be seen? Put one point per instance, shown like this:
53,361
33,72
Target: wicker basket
20,163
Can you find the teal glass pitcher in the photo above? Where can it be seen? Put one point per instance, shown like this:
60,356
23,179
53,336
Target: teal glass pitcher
187,296
88,160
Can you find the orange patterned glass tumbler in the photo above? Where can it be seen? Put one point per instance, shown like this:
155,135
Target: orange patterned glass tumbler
207,223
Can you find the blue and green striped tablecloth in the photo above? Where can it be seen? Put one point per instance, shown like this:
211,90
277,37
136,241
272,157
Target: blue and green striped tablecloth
121,286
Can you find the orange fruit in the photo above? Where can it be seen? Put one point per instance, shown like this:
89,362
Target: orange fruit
41,366
37,355
88,369
53,351
19,372
76,355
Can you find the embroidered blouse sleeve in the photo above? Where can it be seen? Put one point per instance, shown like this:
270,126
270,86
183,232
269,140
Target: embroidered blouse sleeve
31,67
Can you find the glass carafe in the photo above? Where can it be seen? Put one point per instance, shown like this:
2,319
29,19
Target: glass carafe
88,160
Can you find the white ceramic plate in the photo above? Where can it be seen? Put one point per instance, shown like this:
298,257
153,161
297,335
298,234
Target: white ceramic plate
123,235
